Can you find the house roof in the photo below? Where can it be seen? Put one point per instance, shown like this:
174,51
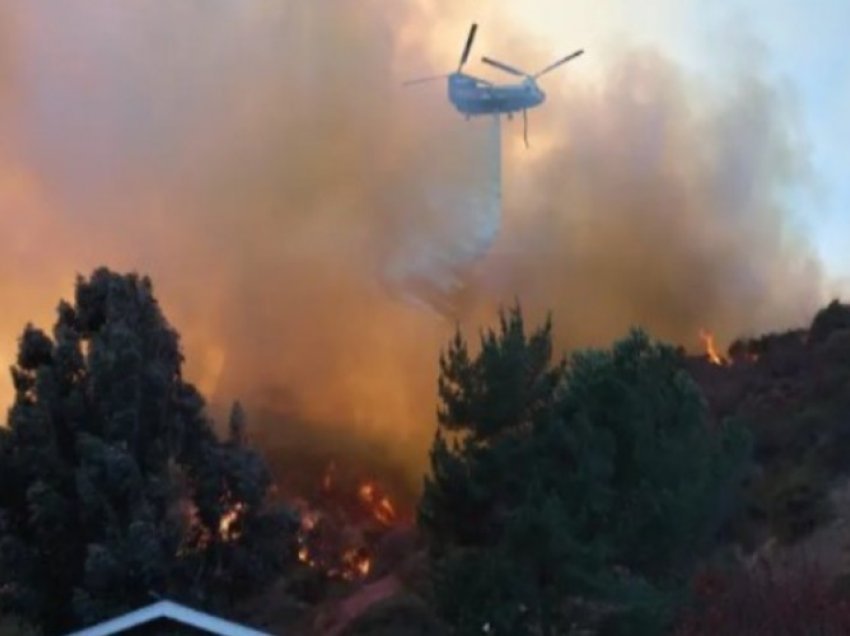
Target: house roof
171,611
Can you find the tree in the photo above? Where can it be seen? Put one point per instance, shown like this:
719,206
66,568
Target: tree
834,317
114,488
564,492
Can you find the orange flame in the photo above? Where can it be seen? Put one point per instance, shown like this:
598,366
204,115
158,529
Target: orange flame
356,564
228,519
710,348
364,566
305,557
381,507
333,539
309,519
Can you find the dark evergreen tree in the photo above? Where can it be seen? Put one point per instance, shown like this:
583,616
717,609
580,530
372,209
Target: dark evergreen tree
114,488
566,492
832,318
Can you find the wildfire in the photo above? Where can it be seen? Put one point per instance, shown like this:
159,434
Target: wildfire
357,564
710,348
228,519
304,556
380,506
340,525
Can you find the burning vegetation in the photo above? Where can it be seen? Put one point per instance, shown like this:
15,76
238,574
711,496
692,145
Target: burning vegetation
342,521
545,501
711,348
229,525
739,351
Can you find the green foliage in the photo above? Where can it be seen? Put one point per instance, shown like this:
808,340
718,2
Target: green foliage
597,479
793,499
795,398
113,484
12,626
665,470
834,317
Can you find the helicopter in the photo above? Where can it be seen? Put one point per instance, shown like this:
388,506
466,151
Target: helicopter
473,96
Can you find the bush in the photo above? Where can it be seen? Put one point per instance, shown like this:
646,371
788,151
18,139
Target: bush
13,626
797,600
598,478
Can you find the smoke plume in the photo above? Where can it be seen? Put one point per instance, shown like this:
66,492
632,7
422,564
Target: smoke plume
315,231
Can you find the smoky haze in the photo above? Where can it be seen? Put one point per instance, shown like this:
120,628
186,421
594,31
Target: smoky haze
314,231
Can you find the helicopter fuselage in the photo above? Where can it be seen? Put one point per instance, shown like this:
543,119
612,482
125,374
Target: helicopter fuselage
471,96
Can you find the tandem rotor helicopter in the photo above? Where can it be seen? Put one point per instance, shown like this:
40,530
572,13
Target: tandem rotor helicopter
473,96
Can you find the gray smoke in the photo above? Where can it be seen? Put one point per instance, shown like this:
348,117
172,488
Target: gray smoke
290,199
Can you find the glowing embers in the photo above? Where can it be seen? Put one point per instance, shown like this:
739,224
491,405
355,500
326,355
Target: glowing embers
342,525
228,527
379,505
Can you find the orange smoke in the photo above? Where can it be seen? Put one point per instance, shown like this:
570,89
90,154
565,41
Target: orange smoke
290,200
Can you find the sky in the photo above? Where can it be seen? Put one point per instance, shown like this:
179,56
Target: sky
315,231
803,45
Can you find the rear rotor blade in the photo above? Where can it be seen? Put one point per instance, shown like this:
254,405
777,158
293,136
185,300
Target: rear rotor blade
504,67
422,80
563,60
468,46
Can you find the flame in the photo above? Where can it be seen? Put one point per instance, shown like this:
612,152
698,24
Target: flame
357,564
364,566
381,507
305,557
710,348
228,519
367,491
338,528
309,519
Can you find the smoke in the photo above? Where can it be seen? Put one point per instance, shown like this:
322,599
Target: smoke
660,206
302,215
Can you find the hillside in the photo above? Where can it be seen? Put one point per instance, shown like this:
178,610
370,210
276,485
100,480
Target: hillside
792,389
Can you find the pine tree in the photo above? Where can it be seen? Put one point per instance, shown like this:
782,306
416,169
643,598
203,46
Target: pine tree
561,489
114,488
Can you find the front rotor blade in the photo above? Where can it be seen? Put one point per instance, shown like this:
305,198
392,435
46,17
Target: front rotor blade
555,65
503,66
468,46
422,80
